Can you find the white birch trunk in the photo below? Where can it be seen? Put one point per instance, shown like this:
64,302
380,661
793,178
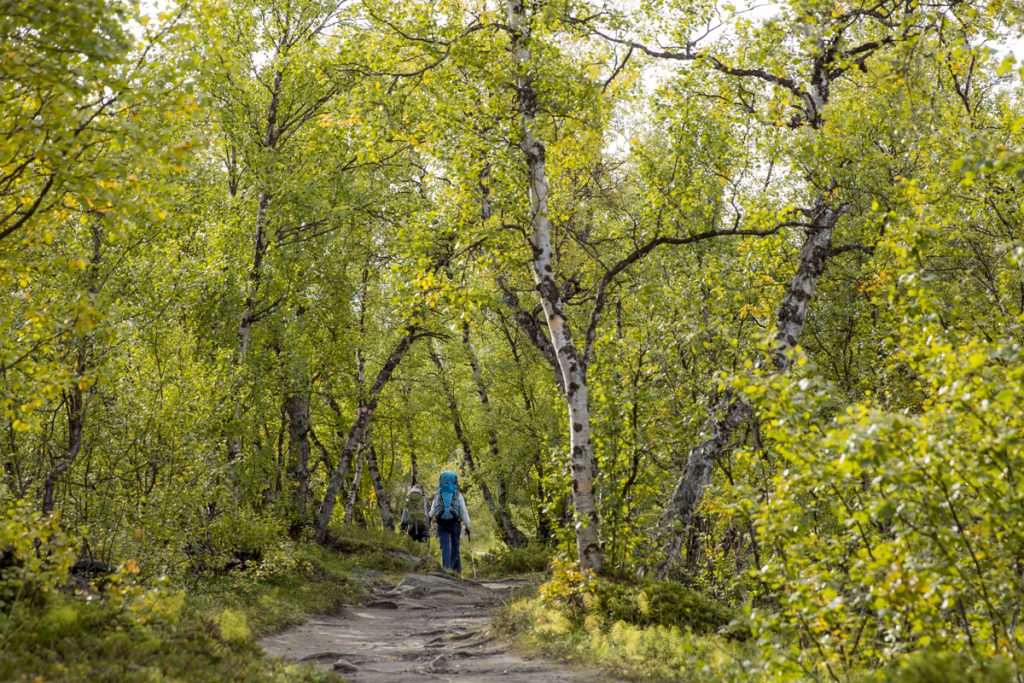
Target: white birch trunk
260,244
296,408
353,493
588,545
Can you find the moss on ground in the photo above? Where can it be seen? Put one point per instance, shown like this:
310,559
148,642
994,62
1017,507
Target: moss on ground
77,640
132,632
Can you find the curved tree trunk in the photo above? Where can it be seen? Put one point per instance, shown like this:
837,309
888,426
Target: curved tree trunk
357,435
387,517
679,513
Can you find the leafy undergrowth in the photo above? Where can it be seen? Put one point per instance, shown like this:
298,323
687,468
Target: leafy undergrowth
120,630
316,581
946,667
120,627
378,550
533,558
664,631
74,640
310,579
659,631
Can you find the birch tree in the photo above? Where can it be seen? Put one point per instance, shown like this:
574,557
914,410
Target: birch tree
839,43
272,78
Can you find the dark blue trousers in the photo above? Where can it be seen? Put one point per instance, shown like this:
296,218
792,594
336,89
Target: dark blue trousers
448,534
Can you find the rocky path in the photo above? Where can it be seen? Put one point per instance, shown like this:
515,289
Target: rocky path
430,627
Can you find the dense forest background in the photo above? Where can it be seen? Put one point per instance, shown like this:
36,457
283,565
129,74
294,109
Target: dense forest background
725,298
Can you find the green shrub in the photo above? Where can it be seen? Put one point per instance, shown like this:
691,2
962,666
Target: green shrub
75,640
894,530
235,538
318,583
533,558
380,550
949,667
655,653
641,603
664,603
351,538
35,556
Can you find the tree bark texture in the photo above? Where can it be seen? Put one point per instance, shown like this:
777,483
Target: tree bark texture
588,546
248,317
813,257
533,330
296,408
353,492
387,517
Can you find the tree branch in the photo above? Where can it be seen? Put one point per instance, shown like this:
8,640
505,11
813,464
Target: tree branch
843,248
602,287
528,323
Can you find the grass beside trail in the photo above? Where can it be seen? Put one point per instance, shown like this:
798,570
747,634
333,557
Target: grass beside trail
206,632
663,631
656,652
636,630
321,581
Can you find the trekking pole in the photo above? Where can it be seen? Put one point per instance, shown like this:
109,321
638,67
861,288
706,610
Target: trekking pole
472,557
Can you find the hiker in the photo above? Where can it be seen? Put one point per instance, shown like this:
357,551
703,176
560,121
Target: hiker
415,514
449,512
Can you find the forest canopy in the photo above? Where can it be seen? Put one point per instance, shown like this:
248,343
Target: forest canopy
723,296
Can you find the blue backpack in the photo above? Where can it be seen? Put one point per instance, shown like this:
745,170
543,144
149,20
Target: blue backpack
447,487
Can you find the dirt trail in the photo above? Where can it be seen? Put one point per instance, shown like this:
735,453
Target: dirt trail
430,627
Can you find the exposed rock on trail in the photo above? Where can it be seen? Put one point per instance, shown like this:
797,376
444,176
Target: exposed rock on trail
429,627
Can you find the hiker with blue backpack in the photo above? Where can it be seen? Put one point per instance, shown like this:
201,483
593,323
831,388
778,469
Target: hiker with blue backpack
450,514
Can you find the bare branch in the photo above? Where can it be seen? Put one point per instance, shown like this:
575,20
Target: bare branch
618,69
843,248
639,253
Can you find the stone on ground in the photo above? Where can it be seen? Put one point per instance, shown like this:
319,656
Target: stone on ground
428,627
